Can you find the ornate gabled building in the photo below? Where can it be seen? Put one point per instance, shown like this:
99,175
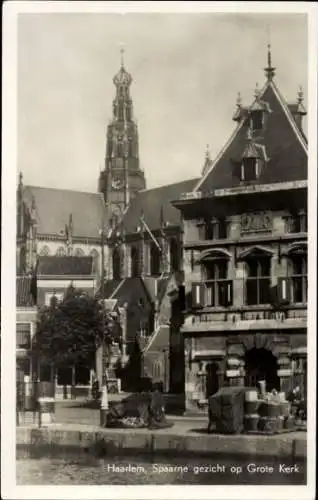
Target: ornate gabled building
245,254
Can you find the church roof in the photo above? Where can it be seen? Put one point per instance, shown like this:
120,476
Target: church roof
65,266
151,202
54,206
286,148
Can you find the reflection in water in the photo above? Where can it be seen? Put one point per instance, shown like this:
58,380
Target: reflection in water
85,469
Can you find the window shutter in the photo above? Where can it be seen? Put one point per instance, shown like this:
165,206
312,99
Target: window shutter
198,295
226,293
229,292
283,290
202,294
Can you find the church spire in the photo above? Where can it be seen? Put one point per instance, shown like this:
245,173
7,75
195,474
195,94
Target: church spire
269,70
122,177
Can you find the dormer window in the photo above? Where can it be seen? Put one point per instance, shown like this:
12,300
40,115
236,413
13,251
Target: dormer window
249,169
256,120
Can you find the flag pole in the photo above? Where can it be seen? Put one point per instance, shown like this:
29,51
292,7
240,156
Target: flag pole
104,393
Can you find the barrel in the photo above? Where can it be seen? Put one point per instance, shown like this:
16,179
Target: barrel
289,422
251,422
268,424
269,409
251,407
282,396
284,409
251,396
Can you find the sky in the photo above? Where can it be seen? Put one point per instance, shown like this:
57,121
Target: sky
186,69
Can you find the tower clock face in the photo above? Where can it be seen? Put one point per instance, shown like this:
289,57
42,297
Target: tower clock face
117,183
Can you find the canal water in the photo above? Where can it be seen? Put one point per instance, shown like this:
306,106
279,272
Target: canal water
72,469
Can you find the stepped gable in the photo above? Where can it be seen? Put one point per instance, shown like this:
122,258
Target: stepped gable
285,146
54,206
151,201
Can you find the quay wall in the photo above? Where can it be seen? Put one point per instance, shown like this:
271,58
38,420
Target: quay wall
114,442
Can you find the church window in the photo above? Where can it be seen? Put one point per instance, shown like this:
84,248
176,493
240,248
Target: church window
44,251
256,121
174,255
155,259
130,148
128,113
109,147
135,261
120,149
120,112
60,252
78,252
116,263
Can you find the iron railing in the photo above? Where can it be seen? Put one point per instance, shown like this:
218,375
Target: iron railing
28,393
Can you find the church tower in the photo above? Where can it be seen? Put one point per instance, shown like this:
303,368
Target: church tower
122,177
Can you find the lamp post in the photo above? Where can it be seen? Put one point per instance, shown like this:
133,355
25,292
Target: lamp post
104,393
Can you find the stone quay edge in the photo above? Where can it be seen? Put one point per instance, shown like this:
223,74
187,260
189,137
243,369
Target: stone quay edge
162,442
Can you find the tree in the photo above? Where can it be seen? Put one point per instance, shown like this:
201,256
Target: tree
69,332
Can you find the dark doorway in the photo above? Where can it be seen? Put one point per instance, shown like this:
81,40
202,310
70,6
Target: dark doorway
212,379
261,364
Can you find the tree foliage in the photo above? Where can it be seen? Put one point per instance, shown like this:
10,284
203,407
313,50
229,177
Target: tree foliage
69,332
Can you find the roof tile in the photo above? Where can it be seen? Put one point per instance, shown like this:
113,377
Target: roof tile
54,206
150,202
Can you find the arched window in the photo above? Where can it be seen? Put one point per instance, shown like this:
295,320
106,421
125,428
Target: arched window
135,258
60,252
174,255
155,259
120,111
45,251
120,149
258,279
116,263
78,252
